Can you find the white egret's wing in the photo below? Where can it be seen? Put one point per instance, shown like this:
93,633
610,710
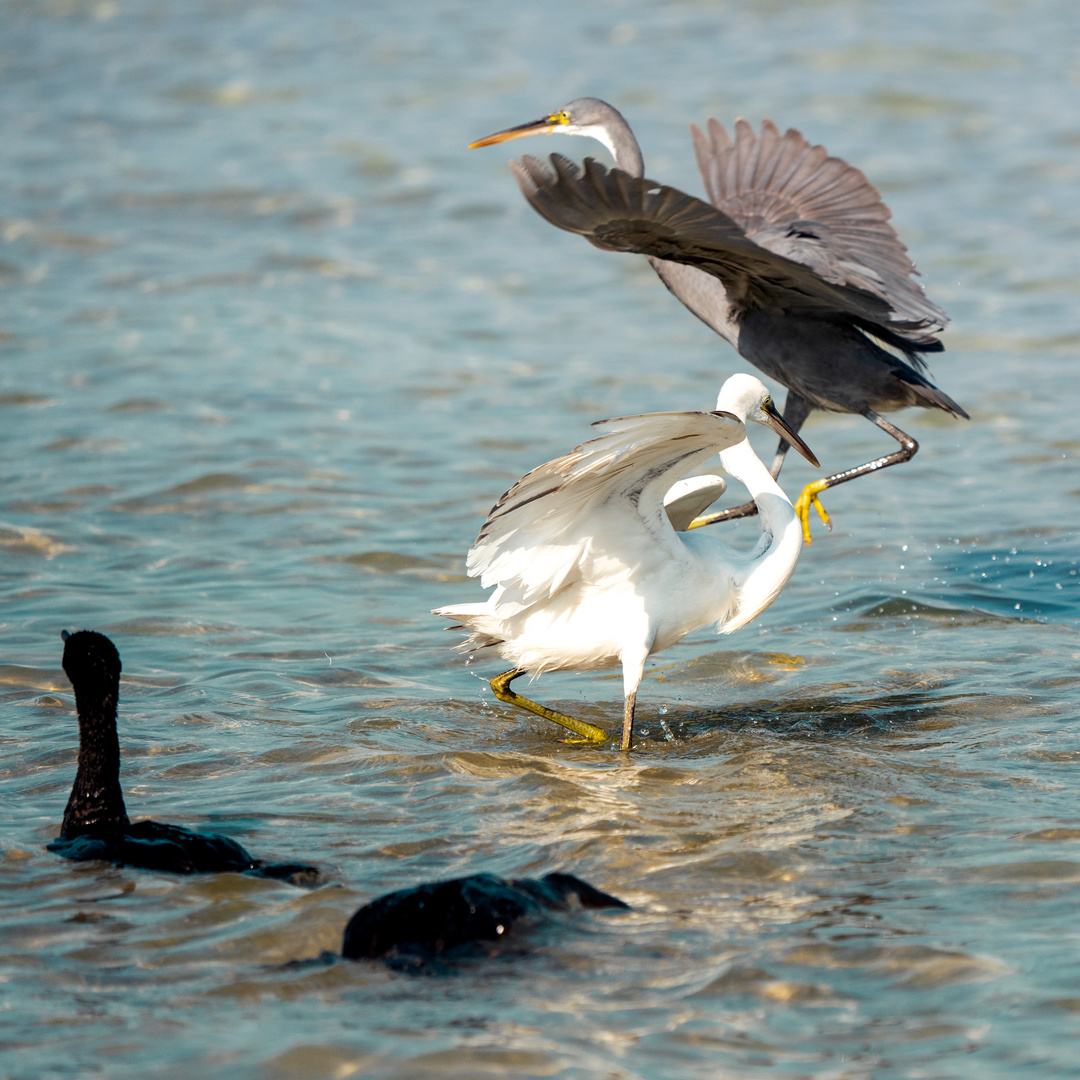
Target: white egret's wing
618,212
690,498
795,200
604,497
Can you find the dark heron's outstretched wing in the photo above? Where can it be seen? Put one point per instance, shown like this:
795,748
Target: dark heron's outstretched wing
795,200
618,212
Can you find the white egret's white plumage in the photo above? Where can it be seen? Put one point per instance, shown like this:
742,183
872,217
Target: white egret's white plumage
588,570
688,498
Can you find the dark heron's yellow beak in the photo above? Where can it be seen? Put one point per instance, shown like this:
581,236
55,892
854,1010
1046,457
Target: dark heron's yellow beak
534,127
776,422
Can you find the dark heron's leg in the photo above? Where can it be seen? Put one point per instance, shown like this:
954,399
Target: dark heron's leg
500,687
810,493
796,410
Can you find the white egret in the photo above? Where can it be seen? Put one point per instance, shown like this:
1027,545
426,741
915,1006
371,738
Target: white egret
588,569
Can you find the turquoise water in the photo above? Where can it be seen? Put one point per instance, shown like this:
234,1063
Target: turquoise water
271,343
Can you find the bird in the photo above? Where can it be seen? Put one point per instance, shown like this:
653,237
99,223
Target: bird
686,499
591,574
794,264
413,928
96,825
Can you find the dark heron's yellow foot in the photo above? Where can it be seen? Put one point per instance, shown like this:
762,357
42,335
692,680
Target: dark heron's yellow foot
589,733
808,498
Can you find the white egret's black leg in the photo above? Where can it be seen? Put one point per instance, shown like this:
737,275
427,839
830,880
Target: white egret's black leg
810,493
628,720
500,687
796,410
633,665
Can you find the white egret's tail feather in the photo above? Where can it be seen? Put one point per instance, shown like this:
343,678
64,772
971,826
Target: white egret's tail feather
477,618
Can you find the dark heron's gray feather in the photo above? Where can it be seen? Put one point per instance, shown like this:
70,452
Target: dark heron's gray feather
619,212
792,198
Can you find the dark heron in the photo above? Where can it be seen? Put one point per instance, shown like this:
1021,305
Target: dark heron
794,264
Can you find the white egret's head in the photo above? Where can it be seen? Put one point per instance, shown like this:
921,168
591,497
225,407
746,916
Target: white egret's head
748,398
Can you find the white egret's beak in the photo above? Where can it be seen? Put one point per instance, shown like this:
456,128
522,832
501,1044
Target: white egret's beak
776,422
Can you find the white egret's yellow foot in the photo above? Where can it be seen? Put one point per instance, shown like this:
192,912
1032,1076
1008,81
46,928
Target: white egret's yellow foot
808,498
500,687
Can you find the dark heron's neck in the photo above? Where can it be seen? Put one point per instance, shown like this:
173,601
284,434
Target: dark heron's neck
598,120
97,802
628,157
621,142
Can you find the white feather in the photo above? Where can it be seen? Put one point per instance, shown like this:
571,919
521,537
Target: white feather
587,568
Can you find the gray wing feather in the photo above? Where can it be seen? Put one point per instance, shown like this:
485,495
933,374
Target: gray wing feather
619,212
796,200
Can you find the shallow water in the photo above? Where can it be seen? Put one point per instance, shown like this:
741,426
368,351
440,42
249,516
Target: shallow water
271,343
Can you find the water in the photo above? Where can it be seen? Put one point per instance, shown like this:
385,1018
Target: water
271,343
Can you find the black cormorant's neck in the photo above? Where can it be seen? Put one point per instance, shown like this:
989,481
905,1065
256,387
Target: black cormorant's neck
97,802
